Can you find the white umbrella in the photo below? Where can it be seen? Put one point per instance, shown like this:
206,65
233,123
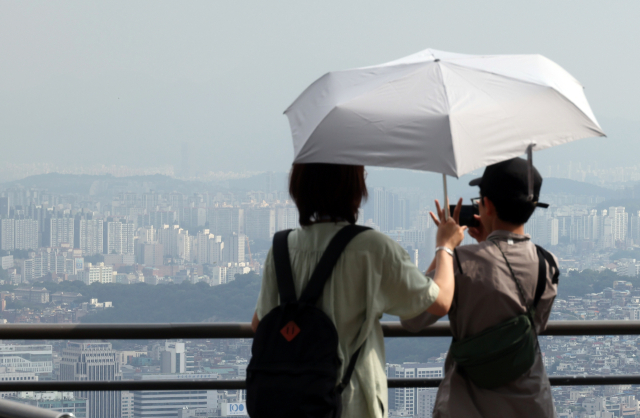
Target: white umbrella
439,111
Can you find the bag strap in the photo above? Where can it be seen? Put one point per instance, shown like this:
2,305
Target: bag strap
350,368
284,276
552,263
542,277
455,252
518,285
323,270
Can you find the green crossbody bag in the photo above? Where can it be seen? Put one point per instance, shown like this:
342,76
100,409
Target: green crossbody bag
504,352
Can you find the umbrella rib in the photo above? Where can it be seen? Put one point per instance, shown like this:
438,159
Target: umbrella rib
446,95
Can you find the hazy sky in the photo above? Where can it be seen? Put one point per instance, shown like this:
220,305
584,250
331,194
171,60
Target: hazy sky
125,82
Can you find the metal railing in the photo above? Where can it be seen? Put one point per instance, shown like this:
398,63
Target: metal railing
10,409
243,330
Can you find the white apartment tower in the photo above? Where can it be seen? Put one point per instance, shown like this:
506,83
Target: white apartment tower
119,237
408,399
88,236
7,234
207,248
98,273
58,231
175,241
26,234
174,358
286,217
619,223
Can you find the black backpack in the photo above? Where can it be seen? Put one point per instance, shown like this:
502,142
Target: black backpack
294,364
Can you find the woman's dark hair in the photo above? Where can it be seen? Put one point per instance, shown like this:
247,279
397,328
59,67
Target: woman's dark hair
327,191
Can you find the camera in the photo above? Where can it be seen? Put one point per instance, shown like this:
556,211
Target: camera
466,215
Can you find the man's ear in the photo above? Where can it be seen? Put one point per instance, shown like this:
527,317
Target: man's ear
489,208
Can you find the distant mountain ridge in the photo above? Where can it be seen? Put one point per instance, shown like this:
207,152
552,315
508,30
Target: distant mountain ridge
428,182
553,185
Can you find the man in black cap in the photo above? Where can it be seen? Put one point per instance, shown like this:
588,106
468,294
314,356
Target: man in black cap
496,280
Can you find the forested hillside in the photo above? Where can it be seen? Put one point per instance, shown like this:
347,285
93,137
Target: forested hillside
232,302
186,302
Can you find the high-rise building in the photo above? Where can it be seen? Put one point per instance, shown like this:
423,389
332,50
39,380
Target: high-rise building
7,234
175,241
58,231
286,217
226,220
619,223
118,237
126,404
233,250
93,361
407,399
26,234
167,403
426,402
157,218
89,236
634,227
260,223
389,211
96,273
208,248
31,358
173,358
150,254
4,207
150,201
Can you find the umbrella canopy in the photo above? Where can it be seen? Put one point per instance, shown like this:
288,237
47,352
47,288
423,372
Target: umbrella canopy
439,111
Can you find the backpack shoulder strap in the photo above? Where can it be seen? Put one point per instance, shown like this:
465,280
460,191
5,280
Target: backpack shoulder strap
328,260
350,368
286,288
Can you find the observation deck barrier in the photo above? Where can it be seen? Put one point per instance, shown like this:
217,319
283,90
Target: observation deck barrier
243,330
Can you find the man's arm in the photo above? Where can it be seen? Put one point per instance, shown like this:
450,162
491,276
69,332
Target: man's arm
420,322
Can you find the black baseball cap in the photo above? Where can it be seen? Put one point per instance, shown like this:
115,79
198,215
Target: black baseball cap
509,180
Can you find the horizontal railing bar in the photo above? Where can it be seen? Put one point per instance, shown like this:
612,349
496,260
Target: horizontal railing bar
118,385
243,330
181,384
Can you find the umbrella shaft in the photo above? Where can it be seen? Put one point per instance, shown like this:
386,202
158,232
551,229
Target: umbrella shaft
446,199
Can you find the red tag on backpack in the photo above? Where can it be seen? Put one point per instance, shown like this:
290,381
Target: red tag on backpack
290,331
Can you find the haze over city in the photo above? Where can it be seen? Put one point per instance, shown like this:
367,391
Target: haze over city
126,83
